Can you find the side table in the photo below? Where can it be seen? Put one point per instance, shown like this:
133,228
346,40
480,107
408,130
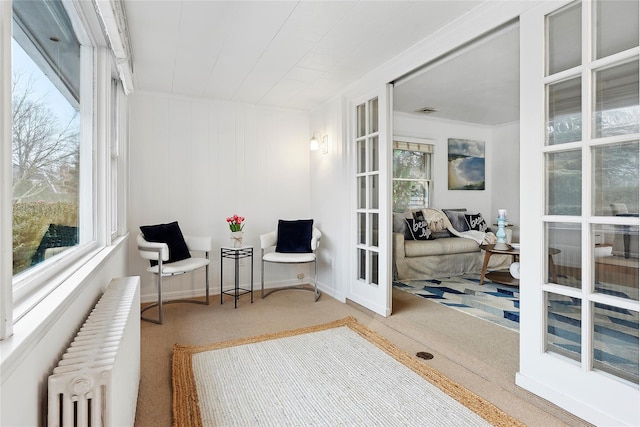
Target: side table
501,277
236,254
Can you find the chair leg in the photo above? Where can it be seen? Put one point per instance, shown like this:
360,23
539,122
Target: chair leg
207,283
315,281
262,275
159,304
316,292
157,321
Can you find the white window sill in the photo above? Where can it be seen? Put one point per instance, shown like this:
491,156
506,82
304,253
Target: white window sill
33,326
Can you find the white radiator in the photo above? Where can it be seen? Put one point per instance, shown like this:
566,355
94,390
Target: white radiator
96,381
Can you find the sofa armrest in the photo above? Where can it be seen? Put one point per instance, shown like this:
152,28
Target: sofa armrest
398,246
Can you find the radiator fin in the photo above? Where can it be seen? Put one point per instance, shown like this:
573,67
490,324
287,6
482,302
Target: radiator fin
96,381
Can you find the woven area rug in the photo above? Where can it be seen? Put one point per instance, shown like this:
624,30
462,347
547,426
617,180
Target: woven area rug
339,373
499,304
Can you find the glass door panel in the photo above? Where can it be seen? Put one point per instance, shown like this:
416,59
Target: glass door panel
564,183
375,155
362,192
615,341
564,112
615,260
564,325
361,120
564,250
564,29
615,178
615,27
616,100
374,190
373,115
374,241
374,268
362,229
362,264
362,158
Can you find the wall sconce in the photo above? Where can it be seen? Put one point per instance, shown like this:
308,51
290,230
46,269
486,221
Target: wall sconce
324,144
314,145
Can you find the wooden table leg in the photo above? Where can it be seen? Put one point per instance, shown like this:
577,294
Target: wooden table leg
487,255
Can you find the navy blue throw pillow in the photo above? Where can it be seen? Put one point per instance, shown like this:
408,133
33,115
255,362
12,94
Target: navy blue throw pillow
171,235
294,236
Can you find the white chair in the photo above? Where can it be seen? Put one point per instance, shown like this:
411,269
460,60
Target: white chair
268,245
160,252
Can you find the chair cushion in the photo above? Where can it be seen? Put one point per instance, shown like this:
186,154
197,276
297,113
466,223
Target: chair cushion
182,266
171,235
294,236
290,258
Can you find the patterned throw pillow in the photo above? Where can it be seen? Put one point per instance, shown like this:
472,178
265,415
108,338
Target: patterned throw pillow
476,222
416,230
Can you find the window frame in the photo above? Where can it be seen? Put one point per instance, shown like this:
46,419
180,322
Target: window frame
405,144
20,294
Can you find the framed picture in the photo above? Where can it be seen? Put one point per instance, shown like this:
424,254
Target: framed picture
466,164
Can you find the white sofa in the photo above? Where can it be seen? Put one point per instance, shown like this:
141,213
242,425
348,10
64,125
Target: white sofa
441,257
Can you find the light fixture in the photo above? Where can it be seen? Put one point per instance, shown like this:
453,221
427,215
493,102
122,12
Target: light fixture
324,144
314,145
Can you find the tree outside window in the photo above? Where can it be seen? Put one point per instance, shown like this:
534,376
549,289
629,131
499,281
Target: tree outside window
411,176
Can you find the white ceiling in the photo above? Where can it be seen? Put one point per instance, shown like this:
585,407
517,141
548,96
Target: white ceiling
293,54
480,83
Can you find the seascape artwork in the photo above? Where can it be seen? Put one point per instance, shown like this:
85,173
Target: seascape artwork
466,164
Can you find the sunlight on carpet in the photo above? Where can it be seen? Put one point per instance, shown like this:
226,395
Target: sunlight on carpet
330,374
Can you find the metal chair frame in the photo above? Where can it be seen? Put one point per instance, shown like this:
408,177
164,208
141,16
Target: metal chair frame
265,241
158,250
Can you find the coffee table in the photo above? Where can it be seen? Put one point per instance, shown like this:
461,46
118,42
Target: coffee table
502,277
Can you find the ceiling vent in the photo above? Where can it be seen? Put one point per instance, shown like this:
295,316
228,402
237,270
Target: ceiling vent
427,110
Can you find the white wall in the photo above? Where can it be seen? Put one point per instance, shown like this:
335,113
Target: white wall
501,163
506,174
330,202
199,161
29,358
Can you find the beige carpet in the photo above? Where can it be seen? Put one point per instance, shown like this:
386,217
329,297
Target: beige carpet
476,354
321,375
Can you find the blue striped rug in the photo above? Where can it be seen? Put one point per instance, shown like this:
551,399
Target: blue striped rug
495,303
615,335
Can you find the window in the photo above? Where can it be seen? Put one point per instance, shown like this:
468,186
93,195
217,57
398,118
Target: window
412,180
47,135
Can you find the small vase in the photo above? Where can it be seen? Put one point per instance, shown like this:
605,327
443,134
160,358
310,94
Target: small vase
236,236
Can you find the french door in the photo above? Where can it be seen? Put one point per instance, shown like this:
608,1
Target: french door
369,271
580,161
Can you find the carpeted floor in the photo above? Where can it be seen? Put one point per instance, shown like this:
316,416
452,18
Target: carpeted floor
616,332
476,354
326,374
499,304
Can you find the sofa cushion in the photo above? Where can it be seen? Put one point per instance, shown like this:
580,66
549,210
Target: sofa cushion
476,222
399,224
436,220
416,230
444,246
457,218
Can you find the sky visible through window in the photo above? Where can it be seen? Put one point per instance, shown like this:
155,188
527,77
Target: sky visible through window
43,89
